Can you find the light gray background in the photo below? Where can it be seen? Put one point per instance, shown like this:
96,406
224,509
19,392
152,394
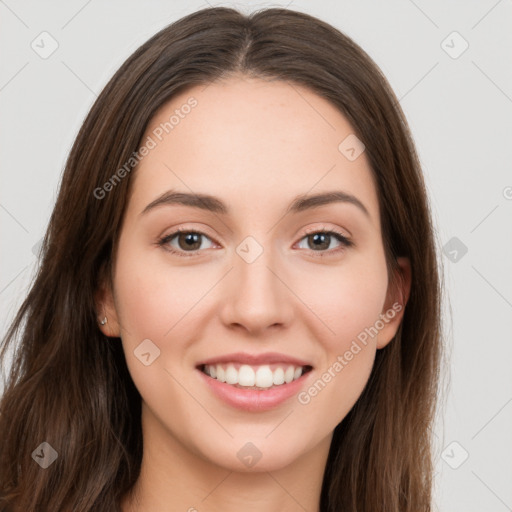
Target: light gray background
459,112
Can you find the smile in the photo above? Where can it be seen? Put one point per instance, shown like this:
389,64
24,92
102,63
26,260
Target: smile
247,376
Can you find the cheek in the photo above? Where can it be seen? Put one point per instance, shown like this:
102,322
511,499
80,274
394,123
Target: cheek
153,302
152,296
346,304
344,301
350,307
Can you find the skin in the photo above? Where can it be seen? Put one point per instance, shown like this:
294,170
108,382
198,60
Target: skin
256,145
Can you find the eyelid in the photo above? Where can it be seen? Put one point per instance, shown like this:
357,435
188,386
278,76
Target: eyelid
324,227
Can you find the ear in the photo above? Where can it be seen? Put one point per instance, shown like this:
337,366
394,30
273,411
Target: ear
396,300
105,307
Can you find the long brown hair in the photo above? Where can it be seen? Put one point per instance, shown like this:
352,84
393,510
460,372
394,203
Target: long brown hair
69,385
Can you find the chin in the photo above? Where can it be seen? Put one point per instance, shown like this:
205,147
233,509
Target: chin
253,456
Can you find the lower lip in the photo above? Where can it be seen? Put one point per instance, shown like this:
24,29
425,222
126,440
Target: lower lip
254,400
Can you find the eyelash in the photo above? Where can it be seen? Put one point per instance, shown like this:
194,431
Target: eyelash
346,243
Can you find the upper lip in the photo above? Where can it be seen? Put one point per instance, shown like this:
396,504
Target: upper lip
255,359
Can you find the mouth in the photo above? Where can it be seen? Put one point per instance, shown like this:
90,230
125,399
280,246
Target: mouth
255,377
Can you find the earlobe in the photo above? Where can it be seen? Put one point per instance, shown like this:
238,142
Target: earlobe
106,312
396,301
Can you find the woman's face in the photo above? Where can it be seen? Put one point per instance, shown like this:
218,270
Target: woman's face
255,280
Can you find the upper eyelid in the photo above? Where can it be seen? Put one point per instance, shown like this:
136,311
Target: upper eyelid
322,227
325,228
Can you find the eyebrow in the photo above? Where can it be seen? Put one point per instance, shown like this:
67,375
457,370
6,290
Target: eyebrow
214,204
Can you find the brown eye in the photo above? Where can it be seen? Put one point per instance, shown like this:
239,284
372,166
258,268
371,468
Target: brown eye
320,241
187,242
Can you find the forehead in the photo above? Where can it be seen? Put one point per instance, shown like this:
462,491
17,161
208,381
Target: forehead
252,142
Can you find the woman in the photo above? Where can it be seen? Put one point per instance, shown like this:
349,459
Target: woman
238,303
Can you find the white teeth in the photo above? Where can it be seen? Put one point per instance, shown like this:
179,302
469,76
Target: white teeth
278,377
288,374
221,374
264,377
231,375
246,376
254,376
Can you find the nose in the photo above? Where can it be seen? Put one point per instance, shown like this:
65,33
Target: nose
257,295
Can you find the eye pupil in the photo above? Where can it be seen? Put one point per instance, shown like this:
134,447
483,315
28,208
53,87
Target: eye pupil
191,239
320,237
